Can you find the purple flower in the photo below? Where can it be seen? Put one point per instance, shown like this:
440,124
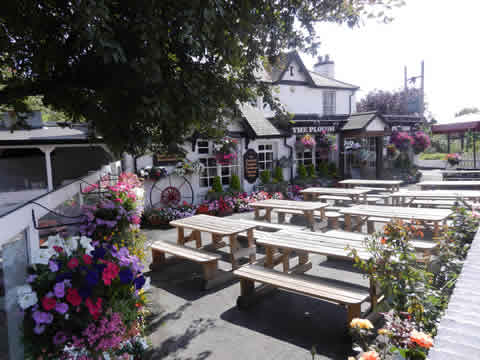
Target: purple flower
59,290
41,317
126,276
38,329
139,282
61,308
59,338
31,278
53,266
92,277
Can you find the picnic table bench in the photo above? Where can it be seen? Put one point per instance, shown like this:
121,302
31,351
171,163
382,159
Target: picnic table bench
372,214
471,185
219,228
306,207
385,185
353,195
436,197
278,248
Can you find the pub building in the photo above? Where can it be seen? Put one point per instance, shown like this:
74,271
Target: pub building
322,107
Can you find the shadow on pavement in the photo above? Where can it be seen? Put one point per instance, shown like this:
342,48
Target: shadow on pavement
299,320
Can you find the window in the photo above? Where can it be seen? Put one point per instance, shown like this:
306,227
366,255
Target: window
212,168
209,172
202,147
372,149
329,103
304,157
265,157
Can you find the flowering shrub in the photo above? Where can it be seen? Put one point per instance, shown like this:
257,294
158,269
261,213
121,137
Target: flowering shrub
84,297
421,142
453,159
162,216
401,139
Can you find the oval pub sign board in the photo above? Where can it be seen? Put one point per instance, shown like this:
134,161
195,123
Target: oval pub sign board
250,159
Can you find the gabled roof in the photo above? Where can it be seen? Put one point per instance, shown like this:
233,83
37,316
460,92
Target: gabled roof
276,71
360,121
324,81
257,122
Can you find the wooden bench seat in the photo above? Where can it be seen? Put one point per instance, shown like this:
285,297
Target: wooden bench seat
209,261
272,226
332,216
334,197
428,202
334,291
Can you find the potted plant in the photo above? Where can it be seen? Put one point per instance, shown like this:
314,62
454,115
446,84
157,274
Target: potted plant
453,159
188,167
308,141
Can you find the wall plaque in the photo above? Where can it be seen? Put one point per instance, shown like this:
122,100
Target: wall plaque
250,165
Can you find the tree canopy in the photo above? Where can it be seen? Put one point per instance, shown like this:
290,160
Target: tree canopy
468,110
389,102
147,72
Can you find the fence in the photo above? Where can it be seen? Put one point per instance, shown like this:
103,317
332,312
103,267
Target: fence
20,242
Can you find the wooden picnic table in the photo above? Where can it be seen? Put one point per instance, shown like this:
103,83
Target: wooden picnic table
304,244
306,207
427,185
372,214
355,195
219,228
389,185
400,197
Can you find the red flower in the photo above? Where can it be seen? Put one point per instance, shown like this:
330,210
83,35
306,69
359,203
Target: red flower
48,303
87,259
94,308
58,249
110,273
73,297
73,263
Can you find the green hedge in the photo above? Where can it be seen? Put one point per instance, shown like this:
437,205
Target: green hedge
434,156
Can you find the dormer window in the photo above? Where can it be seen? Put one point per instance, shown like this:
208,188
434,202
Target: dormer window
291,70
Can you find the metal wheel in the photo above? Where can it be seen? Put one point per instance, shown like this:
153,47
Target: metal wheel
171,190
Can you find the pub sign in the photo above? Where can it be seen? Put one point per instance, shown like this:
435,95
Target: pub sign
250,165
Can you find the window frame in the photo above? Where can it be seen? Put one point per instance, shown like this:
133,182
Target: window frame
329,107
264,153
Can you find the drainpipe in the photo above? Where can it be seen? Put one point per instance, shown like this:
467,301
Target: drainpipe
290,157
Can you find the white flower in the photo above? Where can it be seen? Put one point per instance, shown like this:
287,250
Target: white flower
42,256
143,342
106,356
139,193
26,296
71,244
56,240
86,243
147,284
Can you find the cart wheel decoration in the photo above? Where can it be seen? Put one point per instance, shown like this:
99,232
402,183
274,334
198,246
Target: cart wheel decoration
170,196
170,191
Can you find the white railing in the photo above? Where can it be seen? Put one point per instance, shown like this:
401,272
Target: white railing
18,224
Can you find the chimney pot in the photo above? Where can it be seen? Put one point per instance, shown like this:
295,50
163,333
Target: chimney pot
327,58
320,59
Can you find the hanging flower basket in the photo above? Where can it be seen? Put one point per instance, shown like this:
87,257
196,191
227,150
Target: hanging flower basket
226,151
421,142
402,140
392,152
308,141
188,167
322,140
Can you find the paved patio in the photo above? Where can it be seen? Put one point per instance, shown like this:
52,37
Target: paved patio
188,323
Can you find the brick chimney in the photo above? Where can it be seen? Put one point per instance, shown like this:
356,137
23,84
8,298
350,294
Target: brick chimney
325,66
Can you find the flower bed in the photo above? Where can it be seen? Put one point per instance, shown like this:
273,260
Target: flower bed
85,295
416,294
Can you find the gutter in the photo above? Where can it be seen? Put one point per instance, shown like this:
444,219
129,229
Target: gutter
290,157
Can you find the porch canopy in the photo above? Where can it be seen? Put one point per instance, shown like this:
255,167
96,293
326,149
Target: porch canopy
458,125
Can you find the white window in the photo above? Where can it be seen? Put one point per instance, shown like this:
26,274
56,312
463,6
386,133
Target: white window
304,157
329,103
265,157
212,167
372,149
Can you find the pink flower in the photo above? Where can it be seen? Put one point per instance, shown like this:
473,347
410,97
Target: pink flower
73,263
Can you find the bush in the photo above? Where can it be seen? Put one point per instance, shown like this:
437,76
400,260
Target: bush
323,169
278,174
311,171
235,183
217,185
265,177
302,172
434,156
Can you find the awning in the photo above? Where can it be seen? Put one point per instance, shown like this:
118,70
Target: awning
366,124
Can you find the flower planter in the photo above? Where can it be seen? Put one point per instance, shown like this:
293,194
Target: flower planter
226,212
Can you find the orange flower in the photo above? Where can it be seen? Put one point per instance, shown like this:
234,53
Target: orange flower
420,233
421,339
383,240
370,355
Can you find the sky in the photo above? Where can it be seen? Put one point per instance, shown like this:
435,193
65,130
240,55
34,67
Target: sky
445,34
